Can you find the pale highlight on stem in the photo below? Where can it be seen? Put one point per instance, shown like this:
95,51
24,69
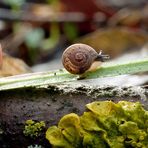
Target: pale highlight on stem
62,76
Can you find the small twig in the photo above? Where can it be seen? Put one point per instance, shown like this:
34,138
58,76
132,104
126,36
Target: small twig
9,15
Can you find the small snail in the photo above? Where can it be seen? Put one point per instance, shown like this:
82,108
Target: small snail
79,58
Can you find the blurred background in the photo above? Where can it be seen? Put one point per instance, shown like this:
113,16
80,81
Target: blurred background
34,33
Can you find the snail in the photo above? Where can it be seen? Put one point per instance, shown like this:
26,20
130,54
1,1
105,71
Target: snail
80,58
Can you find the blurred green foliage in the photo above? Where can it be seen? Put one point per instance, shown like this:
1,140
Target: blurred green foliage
33,38
53,39
70,30
15,4
52,1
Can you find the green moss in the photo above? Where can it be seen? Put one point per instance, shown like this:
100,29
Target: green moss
33,129
105,124
68,136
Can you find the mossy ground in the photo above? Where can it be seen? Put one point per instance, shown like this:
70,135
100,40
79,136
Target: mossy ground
105,124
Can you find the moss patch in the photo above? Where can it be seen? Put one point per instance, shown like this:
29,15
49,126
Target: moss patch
33,129
104,124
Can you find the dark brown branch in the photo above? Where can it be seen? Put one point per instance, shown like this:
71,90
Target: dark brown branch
8,15
49,105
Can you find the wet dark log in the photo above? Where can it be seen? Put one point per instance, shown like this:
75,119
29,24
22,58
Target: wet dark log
49,105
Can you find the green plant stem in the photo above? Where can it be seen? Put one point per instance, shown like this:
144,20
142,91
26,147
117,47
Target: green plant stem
61,76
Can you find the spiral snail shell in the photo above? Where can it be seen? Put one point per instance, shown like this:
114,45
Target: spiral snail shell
78,58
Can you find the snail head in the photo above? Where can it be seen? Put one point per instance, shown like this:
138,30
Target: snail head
101,57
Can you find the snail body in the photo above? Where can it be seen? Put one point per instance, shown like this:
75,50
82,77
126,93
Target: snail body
79,58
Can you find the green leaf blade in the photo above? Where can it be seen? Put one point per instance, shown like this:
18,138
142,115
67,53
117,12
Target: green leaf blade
62,76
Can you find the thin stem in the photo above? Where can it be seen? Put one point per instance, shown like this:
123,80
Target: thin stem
61,76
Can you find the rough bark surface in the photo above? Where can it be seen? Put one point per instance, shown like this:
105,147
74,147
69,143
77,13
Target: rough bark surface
49,104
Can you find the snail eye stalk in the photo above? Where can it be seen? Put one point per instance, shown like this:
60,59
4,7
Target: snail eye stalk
101,57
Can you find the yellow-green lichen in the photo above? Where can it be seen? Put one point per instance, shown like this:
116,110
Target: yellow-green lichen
105,124
33,129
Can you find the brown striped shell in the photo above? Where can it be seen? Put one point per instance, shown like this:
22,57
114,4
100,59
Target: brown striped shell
78,58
